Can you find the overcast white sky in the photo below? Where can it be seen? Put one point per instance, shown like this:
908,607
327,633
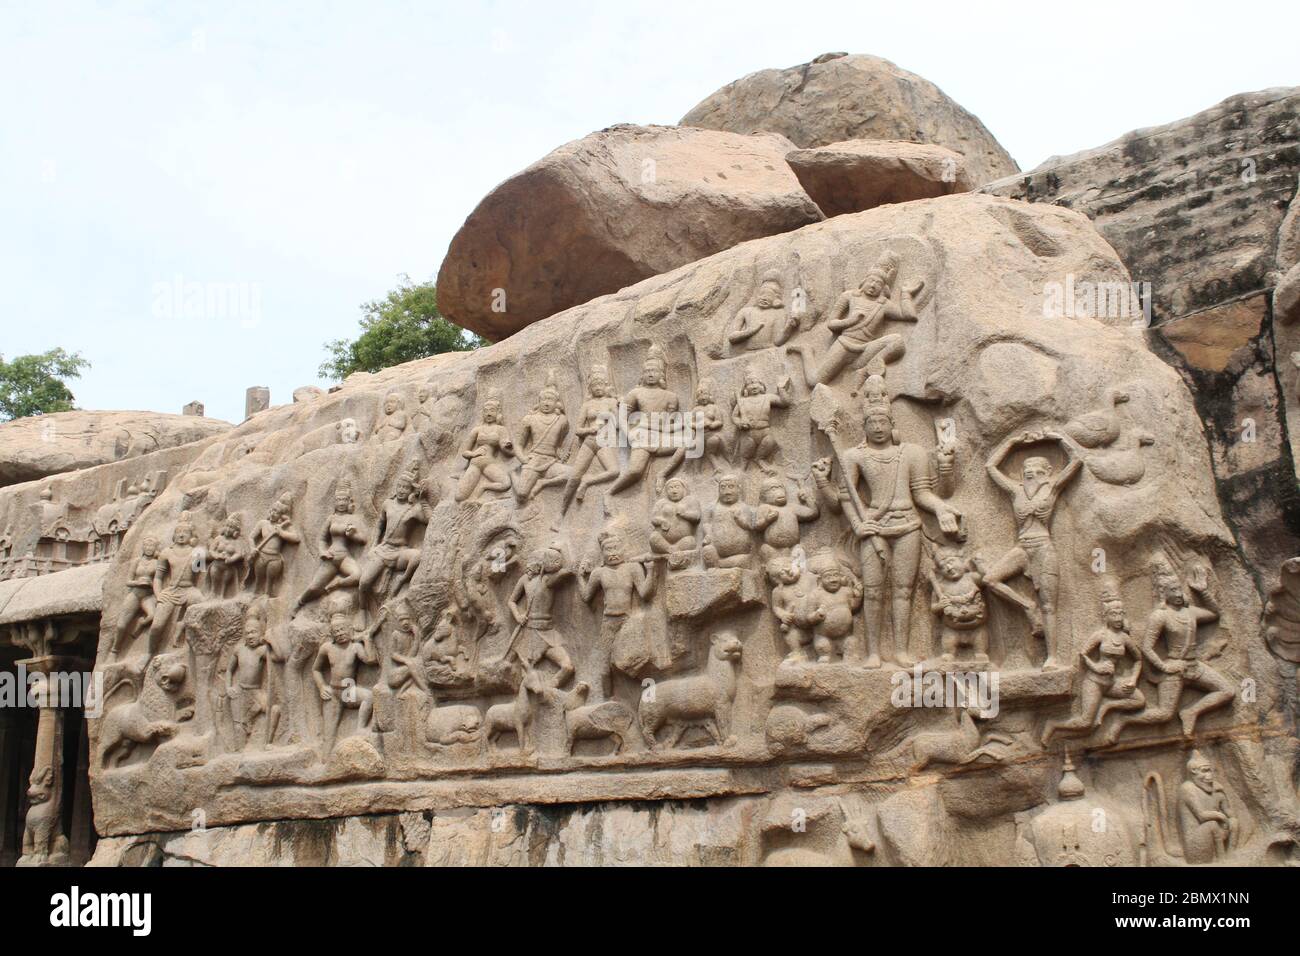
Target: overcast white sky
309,153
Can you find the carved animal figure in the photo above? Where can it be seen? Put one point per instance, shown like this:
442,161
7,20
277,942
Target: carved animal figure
583,721
516,716
42,838
152,716
703,699
452,724
960,746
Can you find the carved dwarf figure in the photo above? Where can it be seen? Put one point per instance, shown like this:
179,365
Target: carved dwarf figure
335,671
728,528
400,520
391,423
956,596
856,317
228,557
618,580
1034,555
762,323
1110,678
1177,620
674,520
270,535
778,519
175,581
140,602
651,406
708,417
833,602
751,413
541,435
338,568
531,605
594,420
487,452
792,584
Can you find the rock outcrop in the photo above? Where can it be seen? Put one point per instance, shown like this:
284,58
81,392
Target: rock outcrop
840,97
611,209
861,174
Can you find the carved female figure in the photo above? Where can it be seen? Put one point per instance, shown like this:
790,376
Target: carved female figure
228,555
487,452
338,568
1034,555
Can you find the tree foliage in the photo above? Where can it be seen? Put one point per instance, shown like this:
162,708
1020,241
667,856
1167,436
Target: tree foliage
34,384
402,326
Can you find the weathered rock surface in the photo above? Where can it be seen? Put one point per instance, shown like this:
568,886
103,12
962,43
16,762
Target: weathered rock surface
44,445
840,97
609,210
860,174
1198,209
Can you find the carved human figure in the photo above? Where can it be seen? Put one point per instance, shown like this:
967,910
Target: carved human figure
139,603
751,413
400,519
335,671
620,581
248,683
763,322
228,555
1176,620
728,528
338,568
175,581
487,453
1034,556
709,418
856,317
422,417
595,420
438,659
792,584
541,436
1112,666
899,483
269,537
532,606
674,520
391,423
833,601
778,519
651,411
957,597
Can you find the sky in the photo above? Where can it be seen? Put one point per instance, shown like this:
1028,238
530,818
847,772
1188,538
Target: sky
197,196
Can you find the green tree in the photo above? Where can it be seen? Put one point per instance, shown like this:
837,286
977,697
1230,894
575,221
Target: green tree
34,384
403,326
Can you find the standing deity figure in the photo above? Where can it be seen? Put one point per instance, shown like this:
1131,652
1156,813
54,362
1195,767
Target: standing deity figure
1112,666
541,436
248,682
751,413
595,418
728,528
618,580
487,452
401,517
391,423
228,556
675,517
856,317
531,605
1034,556
335,672
708,417
338,568
269,537
651,412
763,322
900,483
957,597
175,581
1176,619
140,600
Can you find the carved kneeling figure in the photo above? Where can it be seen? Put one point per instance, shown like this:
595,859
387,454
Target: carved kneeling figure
703,699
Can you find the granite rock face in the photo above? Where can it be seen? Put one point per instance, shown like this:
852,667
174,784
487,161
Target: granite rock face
609,210
840,97
44,445
861,174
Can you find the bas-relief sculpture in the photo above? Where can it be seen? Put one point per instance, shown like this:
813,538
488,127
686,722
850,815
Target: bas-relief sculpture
755,577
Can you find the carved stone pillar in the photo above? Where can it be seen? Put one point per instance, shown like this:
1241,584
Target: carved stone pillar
44,842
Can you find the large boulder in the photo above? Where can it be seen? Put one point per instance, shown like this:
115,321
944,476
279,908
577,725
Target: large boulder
839,97
611,209
861,174
44,445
